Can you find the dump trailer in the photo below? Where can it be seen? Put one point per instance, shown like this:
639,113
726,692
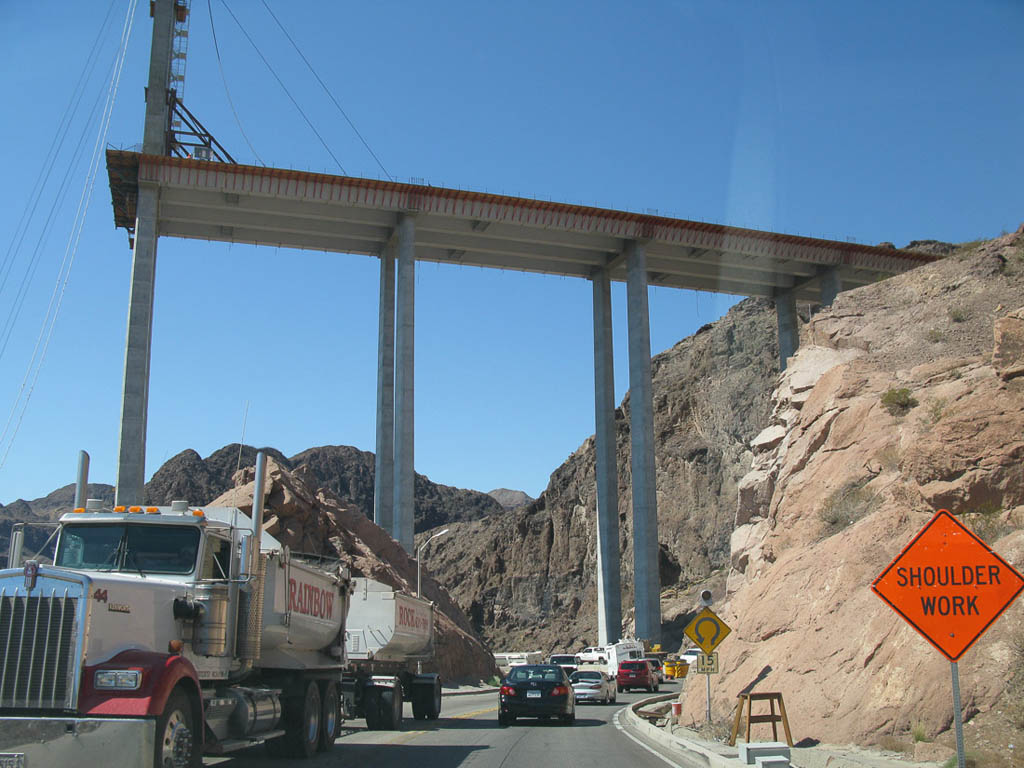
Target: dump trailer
160,634
390,636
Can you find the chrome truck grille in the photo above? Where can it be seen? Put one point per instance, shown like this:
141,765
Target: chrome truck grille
40,654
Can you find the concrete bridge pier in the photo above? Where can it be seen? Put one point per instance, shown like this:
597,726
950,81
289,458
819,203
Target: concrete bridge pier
131,452
831,285
789,332
384,462
404,386
609,587
646,579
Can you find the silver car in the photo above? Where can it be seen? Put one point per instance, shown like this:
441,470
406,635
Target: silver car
592,685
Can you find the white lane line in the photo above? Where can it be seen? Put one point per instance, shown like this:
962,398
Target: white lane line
628,735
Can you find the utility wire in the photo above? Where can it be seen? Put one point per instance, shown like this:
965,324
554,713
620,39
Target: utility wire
74,237
23,288
227,93
328,92
50,159
283,86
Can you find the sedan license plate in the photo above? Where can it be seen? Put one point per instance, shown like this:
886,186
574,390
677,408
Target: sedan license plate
533,694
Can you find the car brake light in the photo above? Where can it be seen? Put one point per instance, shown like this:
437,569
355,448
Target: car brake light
508,690
559,690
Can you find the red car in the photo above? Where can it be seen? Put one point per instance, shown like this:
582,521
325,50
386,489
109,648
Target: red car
636,674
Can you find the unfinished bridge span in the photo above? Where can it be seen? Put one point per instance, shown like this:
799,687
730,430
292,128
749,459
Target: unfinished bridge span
158,195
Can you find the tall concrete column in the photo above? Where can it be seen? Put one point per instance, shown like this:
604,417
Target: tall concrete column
404,362
646,581
131,460
789,333
831,285
384,471
609,588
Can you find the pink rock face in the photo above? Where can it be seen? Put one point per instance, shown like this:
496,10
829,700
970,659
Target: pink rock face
851,484
1008,354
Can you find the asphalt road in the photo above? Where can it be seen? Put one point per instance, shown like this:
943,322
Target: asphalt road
467,734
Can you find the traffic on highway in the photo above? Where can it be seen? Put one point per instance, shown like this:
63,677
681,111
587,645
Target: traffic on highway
468,733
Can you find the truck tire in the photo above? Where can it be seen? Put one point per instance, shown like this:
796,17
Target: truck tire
419,701
176,739
302,716
434,700
371,709
330,715
391,709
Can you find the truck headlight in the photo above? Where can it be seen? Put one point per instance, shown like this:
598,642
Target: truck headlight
118,679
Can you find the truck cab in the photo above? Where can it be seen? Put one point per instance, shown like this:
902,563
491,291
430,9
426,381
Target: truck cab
170,632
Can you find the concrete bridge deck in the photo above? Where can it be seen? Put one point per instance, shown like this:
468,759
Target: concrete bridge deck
295,209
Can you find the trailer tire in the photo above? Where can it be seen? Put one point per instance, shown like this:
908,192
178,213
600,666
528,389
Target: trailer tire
176,743
302,723
330,715
433,696
419,701
391,709
371,709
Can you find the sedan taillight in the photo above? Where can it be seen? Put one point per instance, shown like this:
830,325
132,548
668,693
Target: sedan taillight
559,690
508,690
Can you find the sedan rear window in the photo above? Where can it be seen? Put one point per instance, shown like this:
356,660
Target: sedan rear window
633,665
585,676
523,674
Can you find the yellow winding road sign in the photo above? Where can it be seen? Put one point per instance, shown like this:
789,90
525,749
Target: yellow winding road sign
707,630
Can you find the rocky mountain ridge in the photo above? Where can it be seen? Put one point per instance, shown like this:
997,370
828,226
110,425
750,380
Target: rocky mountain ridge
346,471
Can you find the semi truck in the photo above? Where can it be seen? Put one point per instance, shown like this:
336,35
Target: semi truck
160,634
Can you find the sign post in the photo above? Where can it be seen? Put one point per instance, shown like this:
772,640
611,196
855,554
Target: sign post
950,587
707,630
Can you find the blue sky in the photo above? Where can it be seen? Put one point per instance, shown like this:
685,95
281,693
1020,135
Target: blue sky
866,120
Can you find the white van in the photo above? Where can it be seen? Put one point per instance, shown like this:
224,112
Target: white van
624,650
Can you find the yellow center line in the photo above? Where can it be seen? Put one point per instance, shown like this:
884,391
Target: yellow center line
410,735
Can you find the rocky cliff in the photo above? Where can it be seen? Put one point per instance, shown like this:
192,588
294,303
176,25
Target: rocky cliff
905,397
526,578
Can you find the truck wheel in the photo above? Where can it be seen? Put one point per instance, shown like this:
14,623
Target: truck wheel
434,700
420,693
371,709
391,709
175,734
301,725
330,715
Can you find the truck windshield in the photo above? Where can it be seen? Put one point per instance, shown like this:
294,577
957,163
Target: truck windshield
131,548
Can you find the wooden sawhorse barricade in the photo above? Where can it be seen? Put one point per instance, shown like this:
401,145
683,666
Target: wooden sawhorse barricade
747,699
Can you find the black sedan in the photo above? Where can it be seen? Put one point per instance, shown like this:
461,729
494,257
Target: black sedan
536,690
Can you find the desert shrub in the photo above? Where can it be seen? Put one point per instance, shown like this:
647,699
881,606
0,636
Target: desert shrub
893,743
986,521
936,407
957,314
934,335
971,760
919,733
889,457
898,401
846,506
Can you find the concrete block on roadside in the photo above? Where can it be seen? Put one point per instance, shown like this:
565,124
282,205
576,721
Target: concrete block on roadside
771,761
749,753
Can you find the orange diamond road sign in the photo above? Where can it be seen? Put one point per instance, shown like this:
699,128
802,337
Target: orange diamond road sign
948,585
